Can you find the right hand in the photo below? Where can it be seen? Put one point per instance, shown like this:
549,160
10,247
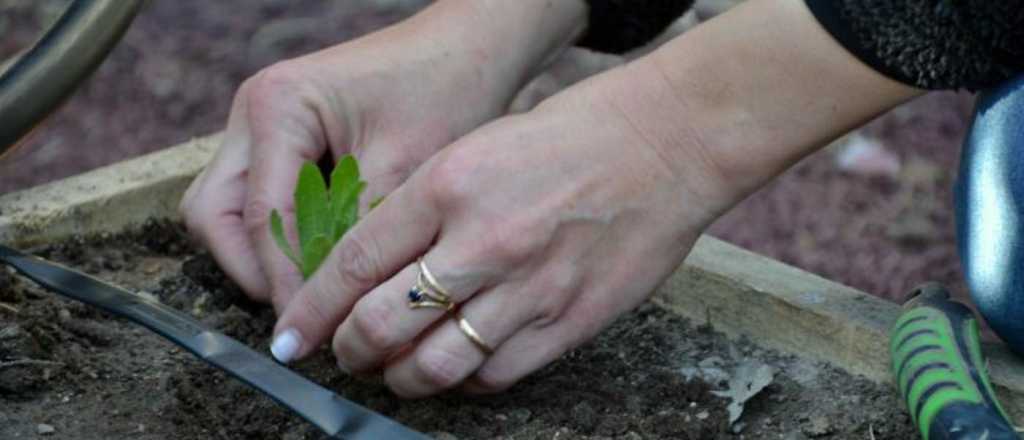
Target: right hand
391,99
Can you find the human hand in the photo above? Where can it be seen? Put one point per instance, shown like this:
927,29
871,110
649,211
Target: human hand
391,99
543,227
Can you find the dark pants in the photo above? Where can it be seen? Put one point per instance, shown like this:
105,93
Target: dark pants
990,210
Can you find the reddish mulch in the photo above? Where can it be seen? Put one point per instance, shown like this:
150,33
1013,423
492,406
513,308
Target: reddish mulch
173,75
881,235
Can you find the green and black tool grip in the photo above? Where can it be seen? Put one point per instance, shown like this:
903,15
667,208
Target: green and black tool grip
936,357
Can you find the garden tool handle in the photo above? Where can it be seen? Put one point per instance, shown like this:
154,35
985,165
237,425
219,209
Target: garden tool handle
336,416
940,372
990,210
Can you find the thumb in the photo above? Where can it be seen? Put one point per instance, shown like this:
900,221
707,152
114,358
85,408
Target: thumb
285,133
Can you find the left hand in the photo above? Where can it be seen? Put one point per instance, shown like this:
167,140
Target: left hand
543,227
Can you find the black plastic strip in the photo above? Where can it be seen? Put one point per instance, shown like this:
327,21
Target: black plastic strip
915,352
910,321
927,394
922,332
336,416
924,369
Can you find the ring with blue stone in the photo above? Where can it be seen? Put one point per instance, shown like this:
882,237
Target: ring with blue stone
428,293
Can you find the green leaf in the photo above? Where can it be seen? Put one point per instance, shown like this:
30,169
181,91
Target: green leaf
346,188
277,231
322,215
312,215
314,254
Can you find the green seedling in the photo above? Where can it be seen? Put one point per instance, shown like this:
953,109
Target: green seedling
322,215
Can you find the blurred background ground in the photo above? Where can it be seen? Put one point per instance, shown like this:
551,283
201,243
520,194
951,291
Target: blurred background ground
873,212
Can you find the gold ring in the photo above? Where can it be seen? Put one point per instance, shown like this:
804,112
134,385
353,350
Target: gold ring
471,333
427,292
429,279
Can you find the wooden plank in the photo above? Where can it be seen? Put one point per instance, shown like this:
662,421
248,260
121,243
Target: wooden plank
107,199
778,306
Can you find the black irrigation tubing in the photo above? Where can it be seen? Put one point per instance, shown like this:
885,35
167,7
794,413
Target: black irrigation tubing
338,417
39,80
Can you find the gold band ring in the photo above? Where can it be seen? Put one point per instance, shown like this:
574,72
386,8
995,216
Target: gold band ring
471,333
427,292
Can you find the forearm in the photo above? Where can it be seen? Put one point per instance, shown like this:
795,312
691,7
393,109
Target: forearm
505,41
754,91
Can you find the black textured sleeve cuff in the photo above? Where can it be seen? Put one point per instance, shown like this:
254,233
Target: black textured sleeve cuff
931,44
617,26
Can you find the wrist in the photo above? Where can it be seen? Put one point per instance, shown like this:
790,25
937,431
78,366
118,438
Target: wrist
504,43
748,105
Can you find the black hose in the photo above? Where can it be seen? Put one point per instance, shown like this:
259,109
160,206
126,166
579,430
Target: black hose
41,78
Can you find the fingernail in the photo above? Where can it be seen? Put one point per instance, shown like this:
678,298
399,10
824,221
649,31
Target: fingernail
286,345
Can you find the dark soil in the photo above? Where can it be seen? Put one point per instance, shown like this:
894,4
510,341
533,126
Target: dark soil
90,376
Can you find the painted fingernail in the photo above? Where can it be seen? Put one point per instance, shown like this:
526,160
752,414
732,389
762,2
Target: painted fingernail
286,345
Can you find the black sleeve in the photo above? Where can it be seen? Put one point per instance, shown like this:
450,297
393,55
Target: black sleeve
931,44
616,26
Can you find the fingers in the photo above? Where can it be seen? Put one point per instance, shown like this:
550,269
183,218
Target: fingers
390,237
527,324
546,339
383,321
529,350
448,355
380,324
285,133
212,207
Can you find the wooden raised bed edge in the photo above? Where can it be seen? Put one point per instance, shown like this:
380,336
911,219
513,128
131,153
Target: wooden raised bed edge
736,291
107,199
